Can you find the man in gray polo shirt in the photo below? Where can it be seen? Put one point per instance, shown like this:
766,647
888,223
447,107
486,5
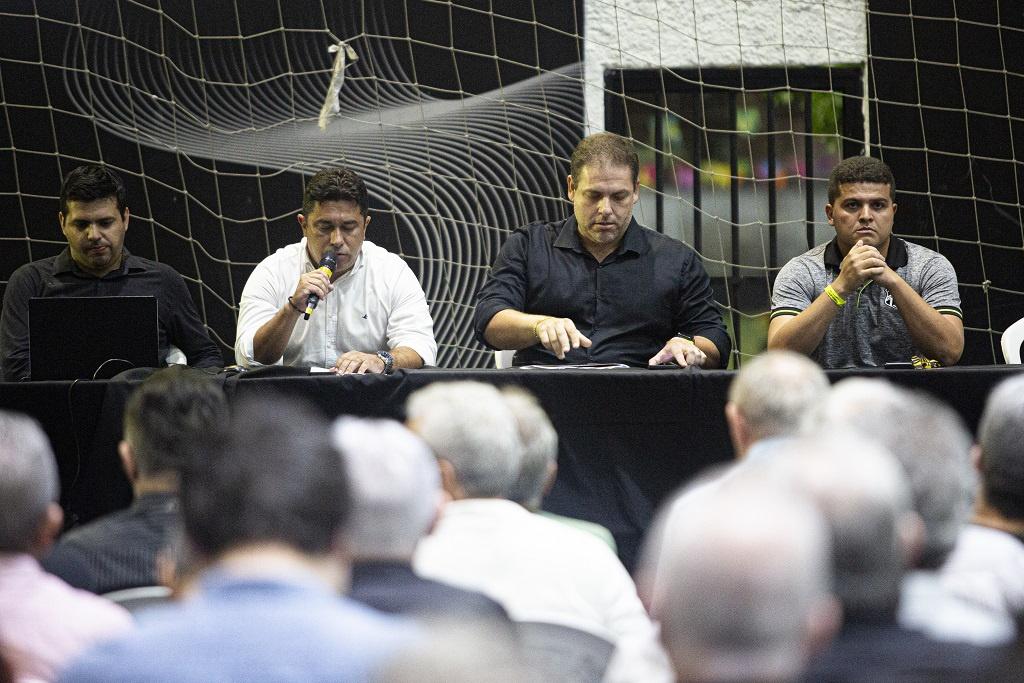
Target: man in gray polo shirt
866,298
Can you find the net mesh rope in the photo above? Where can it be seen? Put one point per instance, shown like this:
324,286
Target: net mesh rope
461,116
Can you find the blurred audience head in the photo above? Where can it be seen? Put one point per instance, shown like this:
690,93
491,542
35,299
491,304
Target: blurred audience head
29,486
741,583
771,396
930,441
469,427
1001,460
462,652
163,417
178,567
863,494
540,448
396,487
271,479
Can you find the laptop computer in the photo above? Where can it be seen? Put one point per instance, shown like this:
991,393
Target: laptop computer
92,337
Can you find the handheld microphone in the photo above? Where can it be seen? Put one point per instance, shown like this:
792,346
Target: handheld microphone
327,265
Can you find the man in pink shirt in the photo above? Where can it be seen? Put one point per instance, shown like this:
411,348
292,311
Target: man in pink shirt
44,623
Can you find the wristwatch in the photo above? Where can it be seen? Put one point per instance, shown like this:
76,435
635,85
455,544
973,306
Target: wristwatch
686,337
389,361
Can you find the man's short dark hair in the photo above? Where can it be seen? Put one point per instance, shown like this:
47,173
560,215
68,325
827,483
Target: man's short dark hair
1000,433
606,148
167,412
270,477
91,182
860,170
334,185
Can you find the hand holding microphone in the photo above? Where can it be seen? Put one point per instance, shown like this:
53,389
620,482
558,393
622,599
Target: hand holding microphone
327,265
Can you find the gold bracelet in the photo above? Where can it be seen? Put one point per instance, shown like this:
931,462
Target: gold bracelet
834,295
292,304
536,326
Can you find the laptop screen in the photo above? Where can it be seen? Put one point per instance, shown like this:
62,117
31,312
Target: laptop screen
92,337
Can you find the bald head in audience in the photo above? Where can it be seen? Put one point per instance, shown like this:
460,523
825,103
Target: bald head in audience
772,396
741,583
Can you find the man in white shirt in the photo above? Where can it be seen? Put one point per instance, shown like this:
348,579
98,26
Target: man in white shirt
372,315
541,571
986,566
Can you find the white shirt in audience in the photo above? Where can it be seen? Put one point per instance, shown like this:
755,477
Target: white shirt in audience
987,568
540,570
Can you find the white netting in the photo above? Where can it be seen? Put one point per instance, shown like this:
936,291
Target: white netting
461,116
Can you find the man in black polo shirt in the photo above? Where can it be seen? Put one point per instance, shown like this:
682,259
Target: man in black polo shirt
598,287
94,218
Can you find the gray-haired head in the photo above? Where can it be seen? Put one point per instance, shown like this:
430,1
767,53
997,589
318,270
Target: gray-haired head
469,425
28,480
930,441
396,486
540,447
1000,435
863,494
774,395
742,582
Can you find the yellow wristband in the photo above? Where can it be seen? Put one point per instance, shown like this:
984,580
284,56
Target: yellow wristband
834,295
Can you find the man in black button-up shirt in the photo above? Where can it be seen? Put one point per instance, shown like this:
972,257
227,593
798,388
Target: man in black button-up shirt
598,287
94,218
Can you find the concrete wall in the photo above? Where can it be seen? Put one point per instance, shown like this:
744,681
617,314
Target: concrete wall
684,34
721,33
